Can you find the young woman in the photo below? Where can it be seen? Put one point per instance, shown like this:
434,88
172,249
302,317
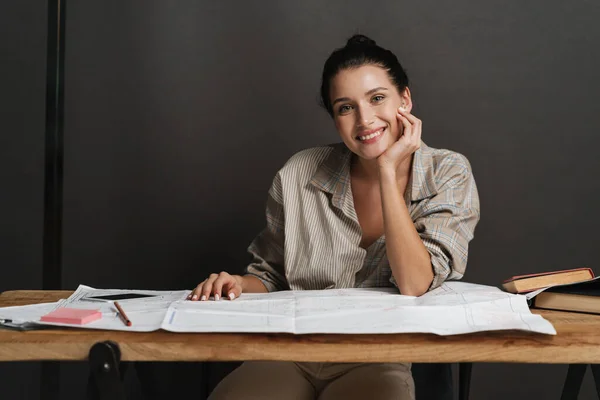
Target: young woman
380,209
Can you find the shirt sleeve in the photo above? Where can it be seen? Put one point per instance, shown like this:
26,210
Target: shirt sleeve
446,222
267,249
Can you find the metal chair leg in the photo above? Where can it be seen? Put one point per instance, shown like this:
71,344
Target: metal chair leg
596,372
464,380
573,381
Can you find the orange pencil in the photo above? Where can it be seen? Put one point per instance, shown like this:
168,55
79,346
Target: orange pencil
122,314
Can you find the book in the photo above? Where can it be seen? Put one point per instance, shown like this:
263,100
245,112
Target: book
76,316
580,297
531,282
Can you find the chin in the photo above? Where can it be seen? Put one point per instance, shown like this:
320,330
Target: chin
370,155
366,155
371,152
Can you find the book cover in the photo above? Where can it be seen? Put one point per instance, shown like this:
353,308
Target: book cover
579,297
530,282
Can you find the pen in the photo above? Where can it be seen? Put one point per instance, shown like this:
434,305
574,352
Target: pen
122,314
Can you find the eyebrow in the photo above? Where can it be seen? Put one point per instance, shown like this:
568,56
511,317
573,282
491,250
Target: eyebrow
377,89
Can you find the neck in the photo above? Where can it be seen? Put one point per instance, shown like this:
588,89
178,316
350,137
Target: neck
369,169
365,169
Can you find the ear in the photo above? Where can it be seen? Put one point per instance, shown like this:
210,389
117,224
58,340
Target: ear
406,99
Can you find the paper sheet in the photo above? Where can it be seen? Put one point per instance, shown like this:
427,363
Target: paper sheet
24,317
146,314
453,308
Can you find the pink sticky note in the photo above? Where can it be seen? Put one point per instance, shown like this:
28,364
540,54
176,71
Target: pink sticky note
75,316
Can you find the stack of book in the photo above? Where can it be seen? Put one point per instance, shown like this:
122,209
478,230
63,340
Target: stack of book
568,290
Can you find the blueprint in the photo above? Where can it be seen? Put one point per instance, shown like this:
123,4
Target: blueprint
453,308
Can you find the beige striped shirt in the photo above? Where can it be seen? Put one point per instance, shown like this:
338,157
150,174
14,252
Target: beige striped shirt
312,236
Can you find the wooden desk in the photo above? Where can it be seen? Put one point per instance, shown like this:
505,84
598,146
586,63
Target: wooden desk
578,341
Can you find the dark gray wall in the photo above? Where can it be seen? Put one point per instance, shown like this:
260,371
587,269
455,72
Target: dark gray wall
22,120
22,97
178,114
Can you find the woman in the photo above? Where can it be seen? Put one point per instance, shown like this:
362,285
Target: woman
381,209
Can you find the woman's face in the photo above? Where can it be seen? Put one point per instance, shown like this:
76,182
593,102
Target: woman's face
365,106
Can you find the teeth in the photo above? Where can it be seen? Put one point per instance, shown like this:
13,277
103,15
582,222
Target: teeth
371,136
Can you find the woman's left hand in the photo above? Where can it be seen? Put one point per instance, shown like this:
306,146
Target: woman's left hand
408,142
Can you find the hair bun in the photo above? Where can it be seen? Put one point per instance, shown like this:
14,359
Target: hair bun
360,40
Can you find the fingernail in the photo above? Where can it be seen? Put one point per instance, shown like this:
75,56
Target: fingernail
401,109
216,297
194,297
203,298
231,296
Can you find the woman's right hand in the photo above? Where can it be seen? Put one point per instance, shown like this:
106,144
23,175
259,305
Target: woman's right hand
220,285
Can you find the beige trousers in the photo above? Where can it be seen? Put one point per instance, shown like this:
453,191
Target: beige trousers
279,380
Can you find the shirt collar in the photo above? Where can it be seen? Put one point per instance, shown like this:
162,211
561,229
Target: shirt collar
333,174
423,178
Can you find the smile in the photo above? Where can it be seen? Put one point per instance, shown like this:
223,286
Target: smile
370,135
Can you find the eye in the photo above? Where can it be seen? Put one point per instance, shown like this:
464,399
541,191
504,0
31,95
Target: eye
378,98
344,109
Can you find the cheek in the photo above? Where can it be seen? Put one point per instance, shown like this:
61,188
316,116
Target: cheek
391,116
344,126
395,125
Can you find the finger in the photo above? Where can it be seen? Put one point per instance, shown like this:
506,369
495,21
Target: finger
417,137
232,289
416,131
218,286
208,287
417,127
413,120
195,293
407,125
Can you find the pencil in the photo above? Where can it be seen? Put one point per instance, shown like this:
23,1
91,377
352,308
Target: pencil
122,314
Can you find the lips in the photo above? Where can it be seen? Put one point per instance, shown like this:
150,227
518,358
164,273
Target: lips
370,134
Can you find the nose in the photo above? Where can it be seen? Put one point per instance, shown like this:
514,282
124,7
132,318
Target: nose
366,116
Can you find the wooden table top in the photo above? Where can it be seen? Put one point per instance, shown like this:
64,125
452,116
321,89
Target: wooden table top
577,341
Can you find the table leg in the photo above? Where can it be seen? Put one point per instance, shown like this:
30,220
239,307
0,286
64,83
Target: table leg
596,373
464,380
573,381
105,381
